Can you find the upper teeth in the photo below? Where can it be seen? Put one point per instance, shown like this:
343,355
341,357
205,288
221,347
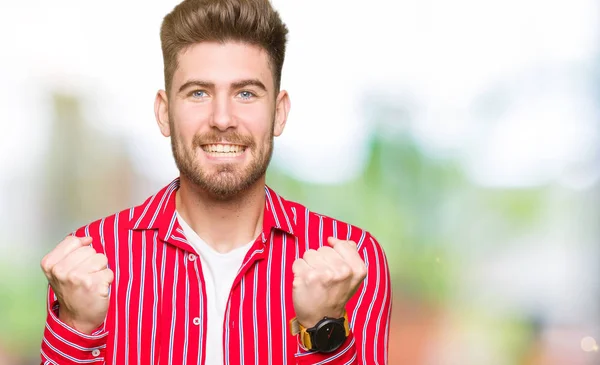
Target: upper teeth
223,148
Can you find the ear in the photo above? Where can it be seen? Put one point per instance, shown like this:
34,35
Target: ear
282,109
161,112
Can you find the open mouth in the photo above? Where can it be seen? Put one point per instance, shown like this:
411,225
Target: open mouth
223,150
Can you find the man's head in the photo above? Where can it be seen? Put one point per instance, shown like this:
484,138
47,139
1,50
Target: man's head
221,105
252,22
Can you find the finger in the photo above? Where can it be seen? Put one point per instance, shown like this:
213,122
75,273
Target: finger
299,267
315,260
72,261
93,263
103,278
348,251
64,248
332,258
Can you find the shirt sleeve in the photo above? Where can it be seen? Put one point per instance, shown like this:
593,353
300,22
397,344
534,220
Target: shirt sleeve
369,312
62,344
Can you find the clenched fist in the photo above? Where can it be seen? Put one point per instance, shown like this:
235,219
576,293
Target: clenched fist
80,278
324,281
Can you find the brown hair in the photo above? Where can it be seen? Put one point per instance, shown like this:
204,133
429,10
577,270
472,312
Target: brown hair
249,21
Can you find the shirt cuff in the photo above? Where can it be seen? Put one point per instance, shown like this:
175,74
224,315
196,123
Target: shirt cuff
346,354
65,345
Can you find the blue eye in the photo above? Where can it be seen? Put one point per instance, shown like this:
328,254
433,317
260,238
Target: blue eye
198,93
246,95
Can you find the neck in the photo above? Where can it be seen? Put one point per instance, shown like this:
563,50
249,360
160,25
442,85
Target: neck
222,224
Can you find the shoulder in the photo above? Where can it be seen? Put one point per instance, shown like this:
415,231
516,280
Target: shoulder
314,227
112,227
106,229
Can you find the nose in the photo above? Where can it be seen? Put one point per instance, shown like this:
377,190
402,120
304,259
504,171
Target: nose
222,117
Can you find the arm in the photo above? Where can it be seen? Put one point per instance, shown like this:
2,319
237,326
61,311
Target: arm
368,311
77,303
63,344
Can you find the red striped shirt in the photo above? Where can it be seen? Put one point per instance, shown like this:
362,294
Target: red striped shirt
157,312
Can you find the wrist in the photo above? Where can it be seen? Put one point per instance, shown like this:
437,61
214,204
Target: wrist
326,336
309,322
81,326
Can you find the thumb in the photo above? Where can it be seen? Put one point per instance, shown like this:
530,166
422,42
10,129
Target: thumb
333,241
84,241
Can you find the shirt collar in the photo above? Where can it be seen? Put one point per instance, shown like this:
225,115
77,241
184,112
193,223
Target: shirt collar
158,212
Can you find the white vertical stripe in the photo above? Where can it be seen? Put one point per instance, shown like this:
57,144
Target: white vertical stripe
270,202
117,281
361,297
187,309
128,293
306,232
241,320
174,307
155,320
368,316
385,294
255,316
361,240
170,188
335,233
269,334
389,311
282,296
144,212
295,215
321,243
141,300
162,293
103,243
287,219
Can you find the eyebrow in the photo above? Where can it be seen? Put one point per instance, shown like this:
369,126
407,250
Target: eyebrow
236,85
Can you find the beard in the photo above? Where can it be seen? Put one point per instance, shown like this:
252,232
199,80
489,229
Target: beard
229,180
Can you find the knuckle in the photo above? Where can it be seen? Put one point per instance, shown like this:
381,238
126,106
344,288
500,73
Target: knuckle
45,264
72,241
104,290
362,271
324,249
297,282
111,275
88,250
327,276
102,259
73,278
311,277
345,272
87,282
58,273
309,253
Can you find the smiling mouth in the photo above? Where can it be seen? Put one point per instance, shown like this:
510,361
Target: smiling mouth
223,150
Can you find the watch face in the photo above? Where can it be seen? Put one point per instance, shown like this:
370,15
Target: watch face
329,336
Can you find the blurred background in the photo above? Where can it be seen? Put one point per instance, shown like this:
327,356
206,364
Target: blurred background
465,135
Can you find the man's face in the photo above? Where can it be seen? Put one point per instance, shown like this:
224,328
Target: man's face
222,116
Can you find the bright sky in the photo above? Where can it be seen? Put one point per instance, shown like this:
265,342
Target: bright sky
439,58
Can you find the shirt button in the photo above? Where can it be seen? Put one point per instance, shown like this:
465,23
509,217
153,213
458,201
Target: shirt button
96,353
196,321
191,257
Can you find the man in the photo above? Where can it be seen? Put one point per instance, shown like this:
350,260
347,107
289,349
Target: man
216,268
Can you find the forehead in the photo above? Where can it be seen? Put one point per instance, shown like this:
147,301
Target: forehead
223,63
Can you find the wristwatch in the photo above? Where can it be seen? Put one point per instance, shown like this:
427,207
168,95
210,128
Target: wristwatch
326,336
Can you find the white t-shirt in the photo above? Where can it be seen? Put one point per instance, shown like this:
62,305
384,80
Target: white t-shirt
219,271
